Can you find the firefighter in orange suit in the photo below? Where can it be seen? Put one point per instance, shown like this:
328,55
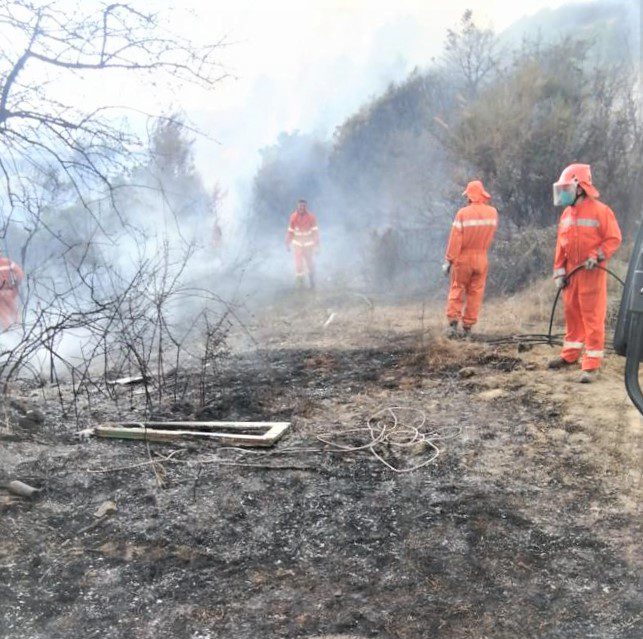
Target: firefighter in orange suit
11,276
588,235
466,258
303,236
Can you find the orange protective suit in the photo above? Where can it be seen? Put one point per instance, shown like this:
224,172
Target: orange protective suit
303,236
471,236
11,276
588,229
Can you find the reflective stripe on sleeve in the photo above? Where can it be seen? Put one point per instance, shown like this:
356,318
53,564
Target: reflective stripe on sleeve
303,244
479,223
596,354
573,345
558,272
458,224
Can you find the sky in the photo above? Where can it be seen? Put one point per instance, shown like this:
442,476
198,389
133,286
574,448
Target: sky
307,66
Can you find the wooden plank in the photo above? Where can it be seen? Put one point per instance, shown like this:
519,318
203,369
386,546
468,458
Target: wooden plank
142,432
200,425
267,439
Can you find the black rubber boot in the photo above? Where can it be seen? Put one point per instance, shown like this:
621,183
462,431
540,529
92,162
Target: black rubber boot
558,363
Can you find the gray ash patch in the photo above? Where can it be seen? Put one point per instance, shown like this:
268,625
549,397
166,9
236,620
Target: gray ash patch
490,540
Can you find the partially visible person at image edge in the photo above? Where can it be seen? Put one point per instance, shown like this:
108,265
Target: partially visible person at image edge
11,276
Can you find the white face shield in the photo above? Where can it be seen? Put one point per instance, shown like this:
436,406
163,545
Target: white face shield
564,194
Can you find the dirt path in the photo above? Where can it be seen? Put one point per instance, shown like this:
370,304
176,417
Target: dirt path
526,525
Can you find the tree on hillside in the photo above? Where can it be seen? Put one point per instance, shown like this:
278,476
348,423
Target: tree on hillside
170,172
171,148
549,110
386,159
471,53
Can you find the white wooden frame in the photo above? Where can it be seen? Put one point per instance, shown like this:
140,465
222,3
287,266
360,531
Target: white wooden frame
171,431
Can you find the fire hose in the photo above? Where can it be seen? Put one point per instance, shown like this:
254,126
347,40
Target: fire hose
548,338
560,290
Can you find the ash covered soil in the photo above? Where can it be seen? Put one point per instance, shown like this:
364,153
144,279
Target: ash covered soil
526,525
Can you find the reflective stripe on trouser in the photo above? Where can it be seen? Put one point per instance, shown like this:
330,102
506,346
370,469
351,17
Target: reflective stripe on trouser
468,280
304,262
585,300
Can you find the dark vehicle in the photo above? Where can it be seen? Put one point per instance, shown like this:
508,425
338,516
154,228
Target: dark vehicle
628,336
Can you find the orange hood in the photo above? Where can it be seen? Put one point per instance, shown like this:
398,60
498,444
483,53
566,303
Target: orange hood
475,191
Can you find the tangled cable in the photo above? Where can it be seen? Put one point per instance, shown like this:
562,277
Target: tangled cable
385,430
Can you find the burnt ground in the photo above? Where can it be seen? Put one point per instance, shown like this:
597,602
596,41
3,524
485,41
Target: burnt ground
525,526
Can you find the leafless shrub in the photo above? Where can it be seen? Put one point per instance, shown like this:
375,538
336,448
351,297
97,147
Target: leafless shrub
68,174
141,325
59,138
